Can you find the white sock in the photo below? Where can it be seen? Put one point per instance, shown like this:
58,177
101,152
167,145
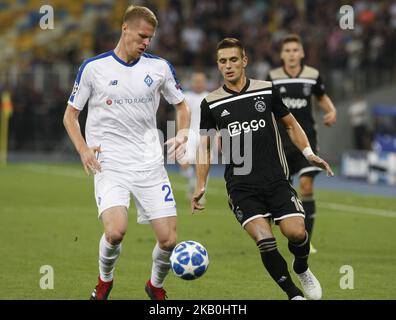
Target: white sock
189,175
161,266
108,255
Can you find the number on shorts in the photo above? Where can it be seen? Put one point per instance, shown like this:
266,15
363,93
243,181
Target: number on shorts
297,203
168,196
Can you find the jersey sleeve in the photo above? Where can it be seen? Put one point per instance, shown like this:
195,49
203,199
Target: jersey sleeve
207,120
81,89
319,88
278,107
172,89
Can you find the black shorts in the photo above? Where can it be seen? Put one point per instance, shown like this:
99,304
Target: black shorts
298,164
277,201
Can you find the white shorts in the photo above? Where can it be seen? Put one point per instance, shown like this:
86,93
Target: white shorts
151,191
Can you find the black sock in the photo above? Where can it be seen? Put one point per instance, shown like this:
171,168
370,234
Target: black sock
277,267
300,250
309,208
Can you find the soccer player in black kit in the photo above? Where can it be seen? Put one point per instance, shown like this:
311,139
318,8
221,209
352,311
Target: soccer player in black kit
245,112
296,84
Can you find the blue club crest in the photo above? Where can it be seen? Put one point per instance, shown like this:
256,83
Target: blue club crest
148,80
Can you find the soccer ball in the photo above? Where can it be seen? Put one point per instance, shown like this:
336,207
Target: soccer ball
189,260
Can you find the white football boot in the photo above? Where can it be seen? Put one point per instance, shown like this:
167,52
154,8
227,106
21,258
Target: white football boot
310,284
298,298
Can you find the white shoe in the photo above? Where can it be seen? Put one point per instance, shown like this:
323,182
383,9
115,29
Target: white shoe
312,249
298,298
310,284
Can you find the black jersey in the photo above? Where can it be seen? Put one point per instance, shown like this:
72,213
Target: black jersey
296,93
248,127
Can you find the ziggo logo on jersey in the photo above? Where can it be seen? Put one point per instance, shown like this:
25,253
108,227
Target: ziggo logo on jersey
236,128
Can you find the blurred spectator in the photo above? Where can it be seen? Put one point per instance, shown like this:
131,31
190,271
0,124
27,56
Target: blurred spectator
359,119
192,38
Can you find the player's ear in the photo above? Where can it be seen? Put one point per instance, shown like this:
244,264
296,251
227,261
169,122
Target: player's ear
244,59
302,52
217,61
124,27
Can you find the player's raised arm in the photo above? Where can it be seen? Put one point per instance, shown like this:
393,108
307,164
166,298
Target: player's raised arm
87,154
330,117
299,138
202,170
177,145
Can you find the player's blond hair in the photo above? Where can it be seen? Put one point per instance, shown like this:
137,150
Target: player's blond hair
133,13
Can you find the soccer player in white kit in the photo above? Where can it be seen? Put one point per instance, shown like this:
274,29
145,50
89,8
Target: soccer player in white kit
122,147
194,98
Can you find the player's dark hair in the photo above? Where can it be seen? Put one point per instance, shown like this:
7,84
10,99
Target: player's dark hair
138,12
231,43
292,38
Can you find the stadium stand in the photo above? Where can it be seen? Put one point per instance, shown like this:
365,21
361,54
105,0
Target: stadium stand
42,63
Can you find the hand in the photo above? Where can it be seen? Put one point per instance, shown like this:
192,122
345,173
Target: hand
195,205
330,118
176,147
319,162
89,160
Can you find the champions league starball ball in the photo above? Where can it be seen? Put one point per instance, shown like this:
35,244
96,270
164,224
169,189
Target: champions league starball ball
189,260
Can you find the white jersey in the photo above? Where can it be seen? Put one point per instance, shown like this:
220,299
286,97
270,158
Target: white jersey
123,100
194,102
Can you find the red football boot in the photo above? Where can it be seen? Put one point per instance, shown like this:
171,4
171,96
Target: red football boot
102,290
155,293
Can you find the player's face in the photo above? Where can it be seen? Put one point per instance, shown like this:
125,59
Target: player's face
231,63
137,36
292,54
198,82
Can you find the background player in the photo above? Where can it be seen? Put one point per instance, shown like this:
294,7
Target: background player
296,84
194,98
245,109
122,146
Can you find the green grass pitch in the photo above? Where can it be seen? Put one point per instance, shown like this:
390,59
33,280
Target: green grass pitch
48,217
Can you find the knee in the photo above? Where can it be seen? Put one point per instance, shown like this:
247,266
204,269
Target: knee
167,244
297,235
115,237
